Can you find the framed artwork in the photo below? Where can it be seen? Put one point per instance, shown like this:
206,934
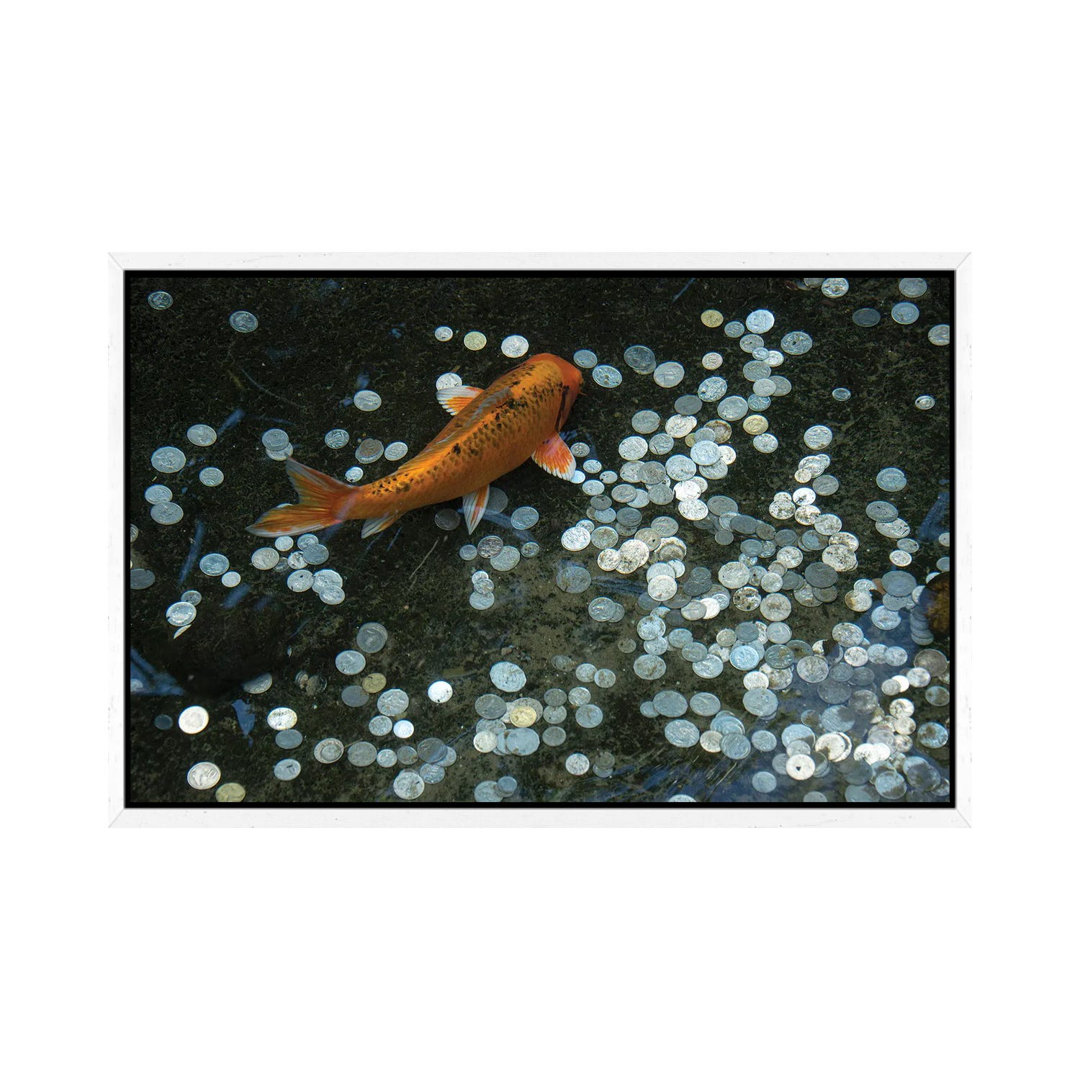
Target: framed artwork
661,540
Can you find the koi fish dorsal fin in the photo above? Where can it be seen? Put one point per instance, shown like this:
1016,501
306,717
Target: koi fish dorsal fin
474,505
553,456
454,398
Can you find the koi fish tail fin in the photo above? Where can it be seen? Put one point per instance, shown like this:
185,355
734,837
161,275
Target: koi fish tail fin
323,502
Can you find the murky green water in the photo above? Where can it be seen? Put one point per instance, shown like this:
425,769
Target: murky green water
862,733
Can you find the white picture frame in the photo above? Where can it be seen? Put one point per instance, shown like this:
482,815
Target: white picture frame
660,816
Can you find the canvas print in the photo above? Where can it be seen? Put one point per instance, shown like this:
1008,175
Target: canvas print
539,539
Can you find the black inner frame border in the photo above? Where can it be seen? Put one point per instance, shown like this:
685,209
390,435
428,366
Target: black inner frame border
317,272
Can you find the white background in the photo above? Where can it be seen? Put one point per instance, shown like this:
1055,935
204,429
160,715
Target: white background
563,127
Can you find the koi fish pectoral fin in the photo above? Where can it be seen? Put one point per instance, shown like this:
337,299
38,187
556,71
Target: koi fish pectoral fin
375,525
474,504
553,456
454,398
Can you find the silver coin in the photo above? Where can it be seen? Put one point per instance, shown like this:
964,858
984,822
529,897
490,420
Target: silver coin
524,517
800,766
265,558
201,435
507,558
606,375
287,769
649,667
640,358
577,764
371,637
705,704
260,684
891,480
670,703
141,578
180,614
507,676
350,662
760,702
393,702
487,791
168,459
485,741
275,439
514,346
668,374
522,741
763,782
682,733
203,775
796,343
281,718
764,741
760,321
328,750
214,564
440,691
299,580
899,582
193,719
408,785
735,746
367,400
368,451
361,754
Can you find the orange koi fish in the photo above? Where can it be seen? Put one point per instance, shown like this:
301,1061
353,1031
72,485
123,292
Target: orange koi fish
492,432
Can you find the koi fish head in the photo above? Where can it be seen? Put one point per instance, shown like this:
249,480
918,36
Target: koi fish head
568,374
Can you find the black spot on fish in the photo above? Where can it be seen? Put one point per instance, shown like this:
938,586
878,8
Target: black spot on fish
563,410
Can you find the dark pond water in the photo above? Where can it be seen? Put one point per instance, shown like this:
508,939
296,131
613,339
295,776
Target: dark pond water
819,673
